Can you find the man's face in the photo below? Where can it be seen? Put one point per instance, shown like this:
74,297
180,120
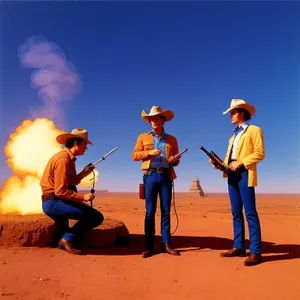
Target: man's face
236,117
81,148
156,122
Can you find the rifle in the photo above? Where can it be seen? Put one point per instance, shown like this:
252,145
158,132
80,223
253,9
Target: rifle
91,167
216,160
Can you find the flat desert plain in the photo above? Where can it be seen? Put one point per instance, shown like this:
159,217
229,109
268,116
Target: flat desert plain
204,230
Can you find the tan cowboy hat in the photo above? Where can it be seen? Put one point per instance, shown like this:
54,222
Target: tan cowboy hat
157,111
240,103
75,133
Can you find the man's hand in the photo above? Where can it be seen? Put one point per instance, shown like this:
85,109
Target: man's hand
234,165
88,197
214,165
172,160
154,152
87,170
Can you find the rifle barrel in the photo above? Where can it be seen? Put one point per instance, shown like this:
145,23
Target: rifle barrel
203,149
105,155
180,153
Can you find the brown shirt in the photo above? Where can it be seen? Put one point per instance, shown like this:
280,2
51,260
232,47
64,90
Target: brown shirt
59,175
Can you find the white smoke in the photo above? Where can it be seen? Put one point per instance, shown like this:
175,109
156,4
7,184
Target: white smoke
54,77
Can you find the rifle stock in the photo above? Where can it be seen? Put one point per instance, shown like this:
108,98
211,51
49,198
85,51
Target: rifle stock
216,160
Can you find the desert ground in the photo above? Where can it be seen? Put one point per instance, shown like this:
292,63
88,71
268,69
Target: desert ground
204,230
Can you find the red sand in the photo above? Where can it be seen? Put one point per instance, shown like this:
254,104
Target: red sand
205,228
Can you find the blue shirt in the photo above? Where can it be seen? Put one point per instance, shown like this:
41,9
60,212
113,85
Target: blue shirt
159,161
238,131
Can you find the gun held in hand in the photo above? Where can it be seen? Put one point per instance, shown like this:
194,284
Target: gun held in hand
92,165
180,153
216,160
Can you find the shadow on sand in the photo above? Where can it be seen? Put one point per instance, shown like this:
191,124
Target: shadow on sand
135,246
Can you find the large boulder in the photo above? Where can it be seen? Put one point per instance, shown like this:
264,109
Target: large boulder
42,231
110,232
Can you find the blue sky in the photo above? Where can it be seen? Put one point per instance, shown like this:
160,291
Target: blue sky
190,57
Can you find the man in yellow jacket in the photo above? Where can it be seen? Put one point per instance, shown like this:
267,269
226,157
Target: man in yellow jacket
245,150
156,150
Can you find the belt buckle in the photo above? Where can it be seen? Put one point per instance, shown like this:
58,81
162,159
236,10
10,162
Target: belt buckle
160,170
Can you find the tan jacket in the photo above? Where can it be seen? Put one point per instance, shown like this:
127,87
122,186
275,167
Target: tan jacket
145,142
250,150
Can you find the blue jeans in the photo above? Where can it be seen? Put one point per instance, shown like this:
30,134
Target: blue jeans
63,210
157,184
242,195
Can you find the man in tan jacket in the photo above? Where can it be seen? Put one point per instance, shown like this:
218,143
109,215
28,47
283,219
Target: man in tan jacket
245,150
156,150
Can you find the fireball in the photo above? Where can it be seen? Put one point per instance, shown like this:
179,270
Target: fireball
28,151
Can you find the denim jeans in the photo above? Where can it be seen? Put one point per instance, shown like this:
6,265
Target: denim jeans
157,184
243,196
63,210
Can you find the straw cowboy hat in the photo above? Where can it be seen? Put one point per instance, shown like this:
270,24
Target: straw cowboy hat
240,103
157,111
75,133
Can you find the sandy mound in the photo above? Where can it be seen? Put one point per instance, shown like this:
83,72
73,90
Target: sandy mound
42,231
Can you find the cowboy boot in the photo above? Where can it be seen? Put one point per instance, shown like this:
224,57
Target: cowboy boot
149,240
66,245
167,248
234,252
253,259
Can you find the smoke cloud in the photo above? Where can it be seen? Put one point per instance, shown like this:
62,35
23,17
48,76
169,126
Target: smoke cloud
54,77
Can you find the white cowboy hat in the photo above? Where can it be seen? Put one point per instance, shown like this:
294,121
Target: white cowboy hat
157,111
75,133
240,103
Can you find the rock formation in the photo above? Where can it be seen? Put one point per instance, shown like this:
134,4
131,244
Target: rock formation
42,231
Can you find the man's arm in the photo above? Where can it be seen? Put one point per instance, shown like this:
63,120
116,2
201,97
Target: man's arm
87,170
139,153
258,153
61,184
175,150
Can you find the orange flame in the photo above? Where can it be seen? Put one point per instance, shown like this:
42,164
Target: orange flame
28,152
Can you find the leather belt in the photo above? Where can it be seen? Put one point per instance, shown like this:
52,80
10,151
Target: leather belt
158,170
50,196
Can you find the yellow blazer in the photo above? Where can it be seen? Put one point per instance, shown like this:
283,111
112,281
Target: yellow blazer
250,150
145,142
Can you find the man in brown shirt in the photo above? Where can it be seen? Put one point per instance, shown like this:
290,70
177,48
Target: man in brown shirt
61,200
